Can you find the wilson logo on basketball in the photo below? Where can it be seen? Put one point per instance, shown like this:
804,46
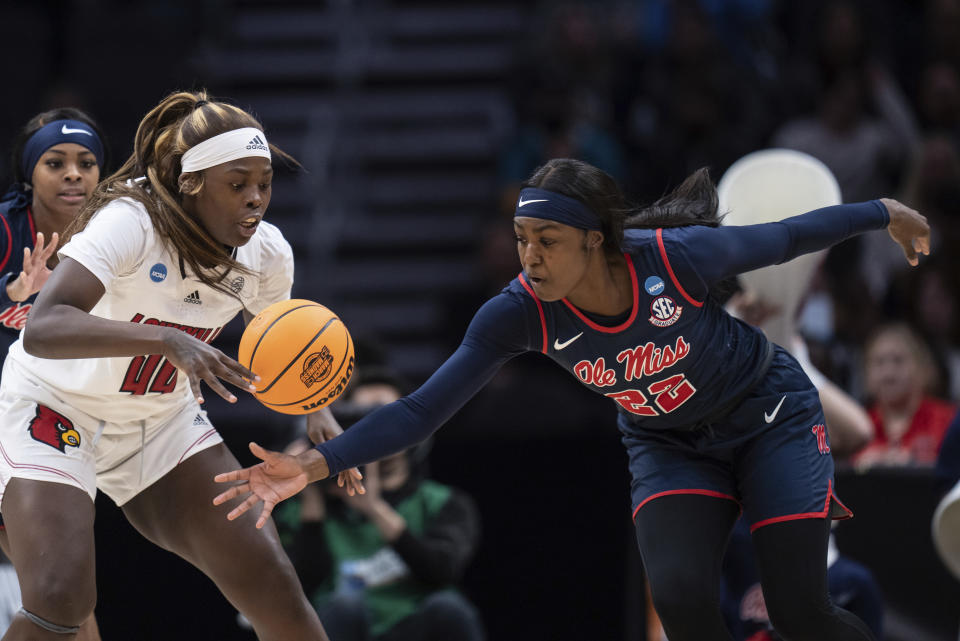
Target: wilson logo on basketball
317,366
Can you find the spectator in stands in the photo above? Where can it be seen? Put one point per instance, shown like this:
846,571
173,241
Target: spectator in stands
383,565
909,423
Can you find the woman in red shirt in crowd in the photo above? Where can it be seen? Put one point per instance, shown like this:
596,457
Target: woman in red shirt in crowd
909,423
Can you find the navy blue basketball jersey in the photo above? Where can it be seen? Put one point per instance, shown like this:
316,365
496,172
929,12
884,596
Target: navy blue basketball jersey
17,231
671,361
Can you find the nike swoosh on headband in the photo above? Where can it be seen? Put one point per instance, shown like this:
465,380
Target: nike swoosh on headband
527,202
67,130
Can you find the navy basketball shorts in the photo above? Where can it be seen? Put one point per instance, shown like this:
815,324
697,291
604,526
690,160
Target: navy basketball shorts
770,455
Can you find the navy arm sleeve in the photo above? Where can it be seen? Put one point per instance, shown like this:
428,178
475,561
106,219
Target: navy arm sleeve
6,249
498,332
5,300
702,256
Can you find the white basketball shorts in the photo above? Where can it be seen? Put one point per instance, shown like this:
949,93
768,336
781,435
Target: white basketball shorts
45,439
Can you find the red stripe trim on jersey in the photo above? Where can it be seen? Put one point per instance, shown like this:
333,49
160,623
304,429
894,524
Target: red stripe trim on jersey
808,515
673,277
197,442
33,228
6,256
42,468
633,312
543,319
711,493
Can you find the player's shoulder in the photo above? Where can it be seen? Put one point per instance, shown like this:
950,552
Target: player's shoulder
511,299
11,207
517,291
637,239
127,211
271,239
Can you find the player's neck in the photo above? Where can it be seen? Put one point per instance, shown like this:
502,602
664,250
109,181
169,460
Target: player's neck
606,289
46,221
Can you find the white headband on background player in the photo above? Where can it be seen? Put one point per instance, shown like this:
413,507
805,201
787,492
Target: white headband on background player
238,143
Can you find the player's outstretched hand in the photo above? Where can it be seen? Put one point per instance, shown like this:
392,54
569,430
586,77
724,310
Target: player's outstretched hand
278,477
35,271
202,362
909,229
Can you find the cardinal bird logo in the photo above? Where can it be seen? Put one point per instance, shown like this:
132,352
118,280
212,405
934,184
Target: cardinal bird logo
56,430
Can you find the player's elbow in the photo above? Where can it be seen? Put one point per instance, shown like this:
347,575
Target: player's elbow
34,335
31,342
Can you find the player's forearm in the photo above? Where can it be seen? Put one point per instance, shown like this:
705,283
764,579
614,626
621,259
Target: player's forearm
63,331
826,227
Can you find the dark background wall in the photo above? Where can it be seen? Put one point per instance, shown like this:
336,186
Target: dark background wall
415,121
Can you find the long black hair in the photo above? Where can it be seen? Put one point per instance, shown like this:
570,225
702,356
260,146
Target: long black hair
694,202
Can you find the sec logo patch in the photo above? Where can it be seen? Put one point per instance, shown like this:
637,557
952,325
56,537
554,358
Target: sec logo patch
664,311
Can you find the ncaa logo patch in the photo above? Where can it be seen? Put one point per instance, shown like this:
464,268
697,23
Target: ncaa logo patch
158,272
664,311
653,285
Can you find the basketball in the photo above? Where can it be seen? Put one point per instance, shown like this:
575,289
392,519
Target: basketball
302,353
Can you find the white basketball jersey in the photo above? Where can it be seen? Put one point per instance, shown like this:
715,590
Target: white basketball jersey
145,283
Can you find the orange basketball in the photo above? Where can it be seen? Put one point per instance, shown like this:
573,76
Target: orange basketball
302,353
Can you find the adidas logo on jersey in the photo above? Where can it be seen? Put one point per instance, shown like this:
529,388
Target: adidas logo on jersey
257,143
193,298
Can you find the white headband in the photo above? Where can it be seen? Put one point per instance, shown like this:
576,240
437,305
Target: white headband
238,143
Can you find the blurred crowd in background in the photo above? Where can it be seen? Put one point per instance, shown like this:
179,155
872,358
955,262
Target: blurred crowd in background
649,91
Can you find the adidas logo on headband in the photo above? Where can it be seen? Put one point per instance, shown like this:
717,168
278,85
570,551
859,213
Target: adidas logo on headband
257,143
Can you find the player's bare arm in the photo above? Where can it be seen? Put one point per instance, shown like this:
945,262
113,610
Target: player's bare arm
62,327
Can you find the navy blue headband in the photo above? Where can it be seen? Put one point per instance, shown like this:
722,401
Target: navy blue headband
540,203
54,133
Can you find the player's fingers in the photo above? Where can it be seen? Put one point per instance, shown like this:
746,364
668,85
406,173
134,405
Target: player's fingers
910,253
234,491
237,376
238,369
218,387
248,503
261,453
195,386
353,479
235,475
47,251
265,513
